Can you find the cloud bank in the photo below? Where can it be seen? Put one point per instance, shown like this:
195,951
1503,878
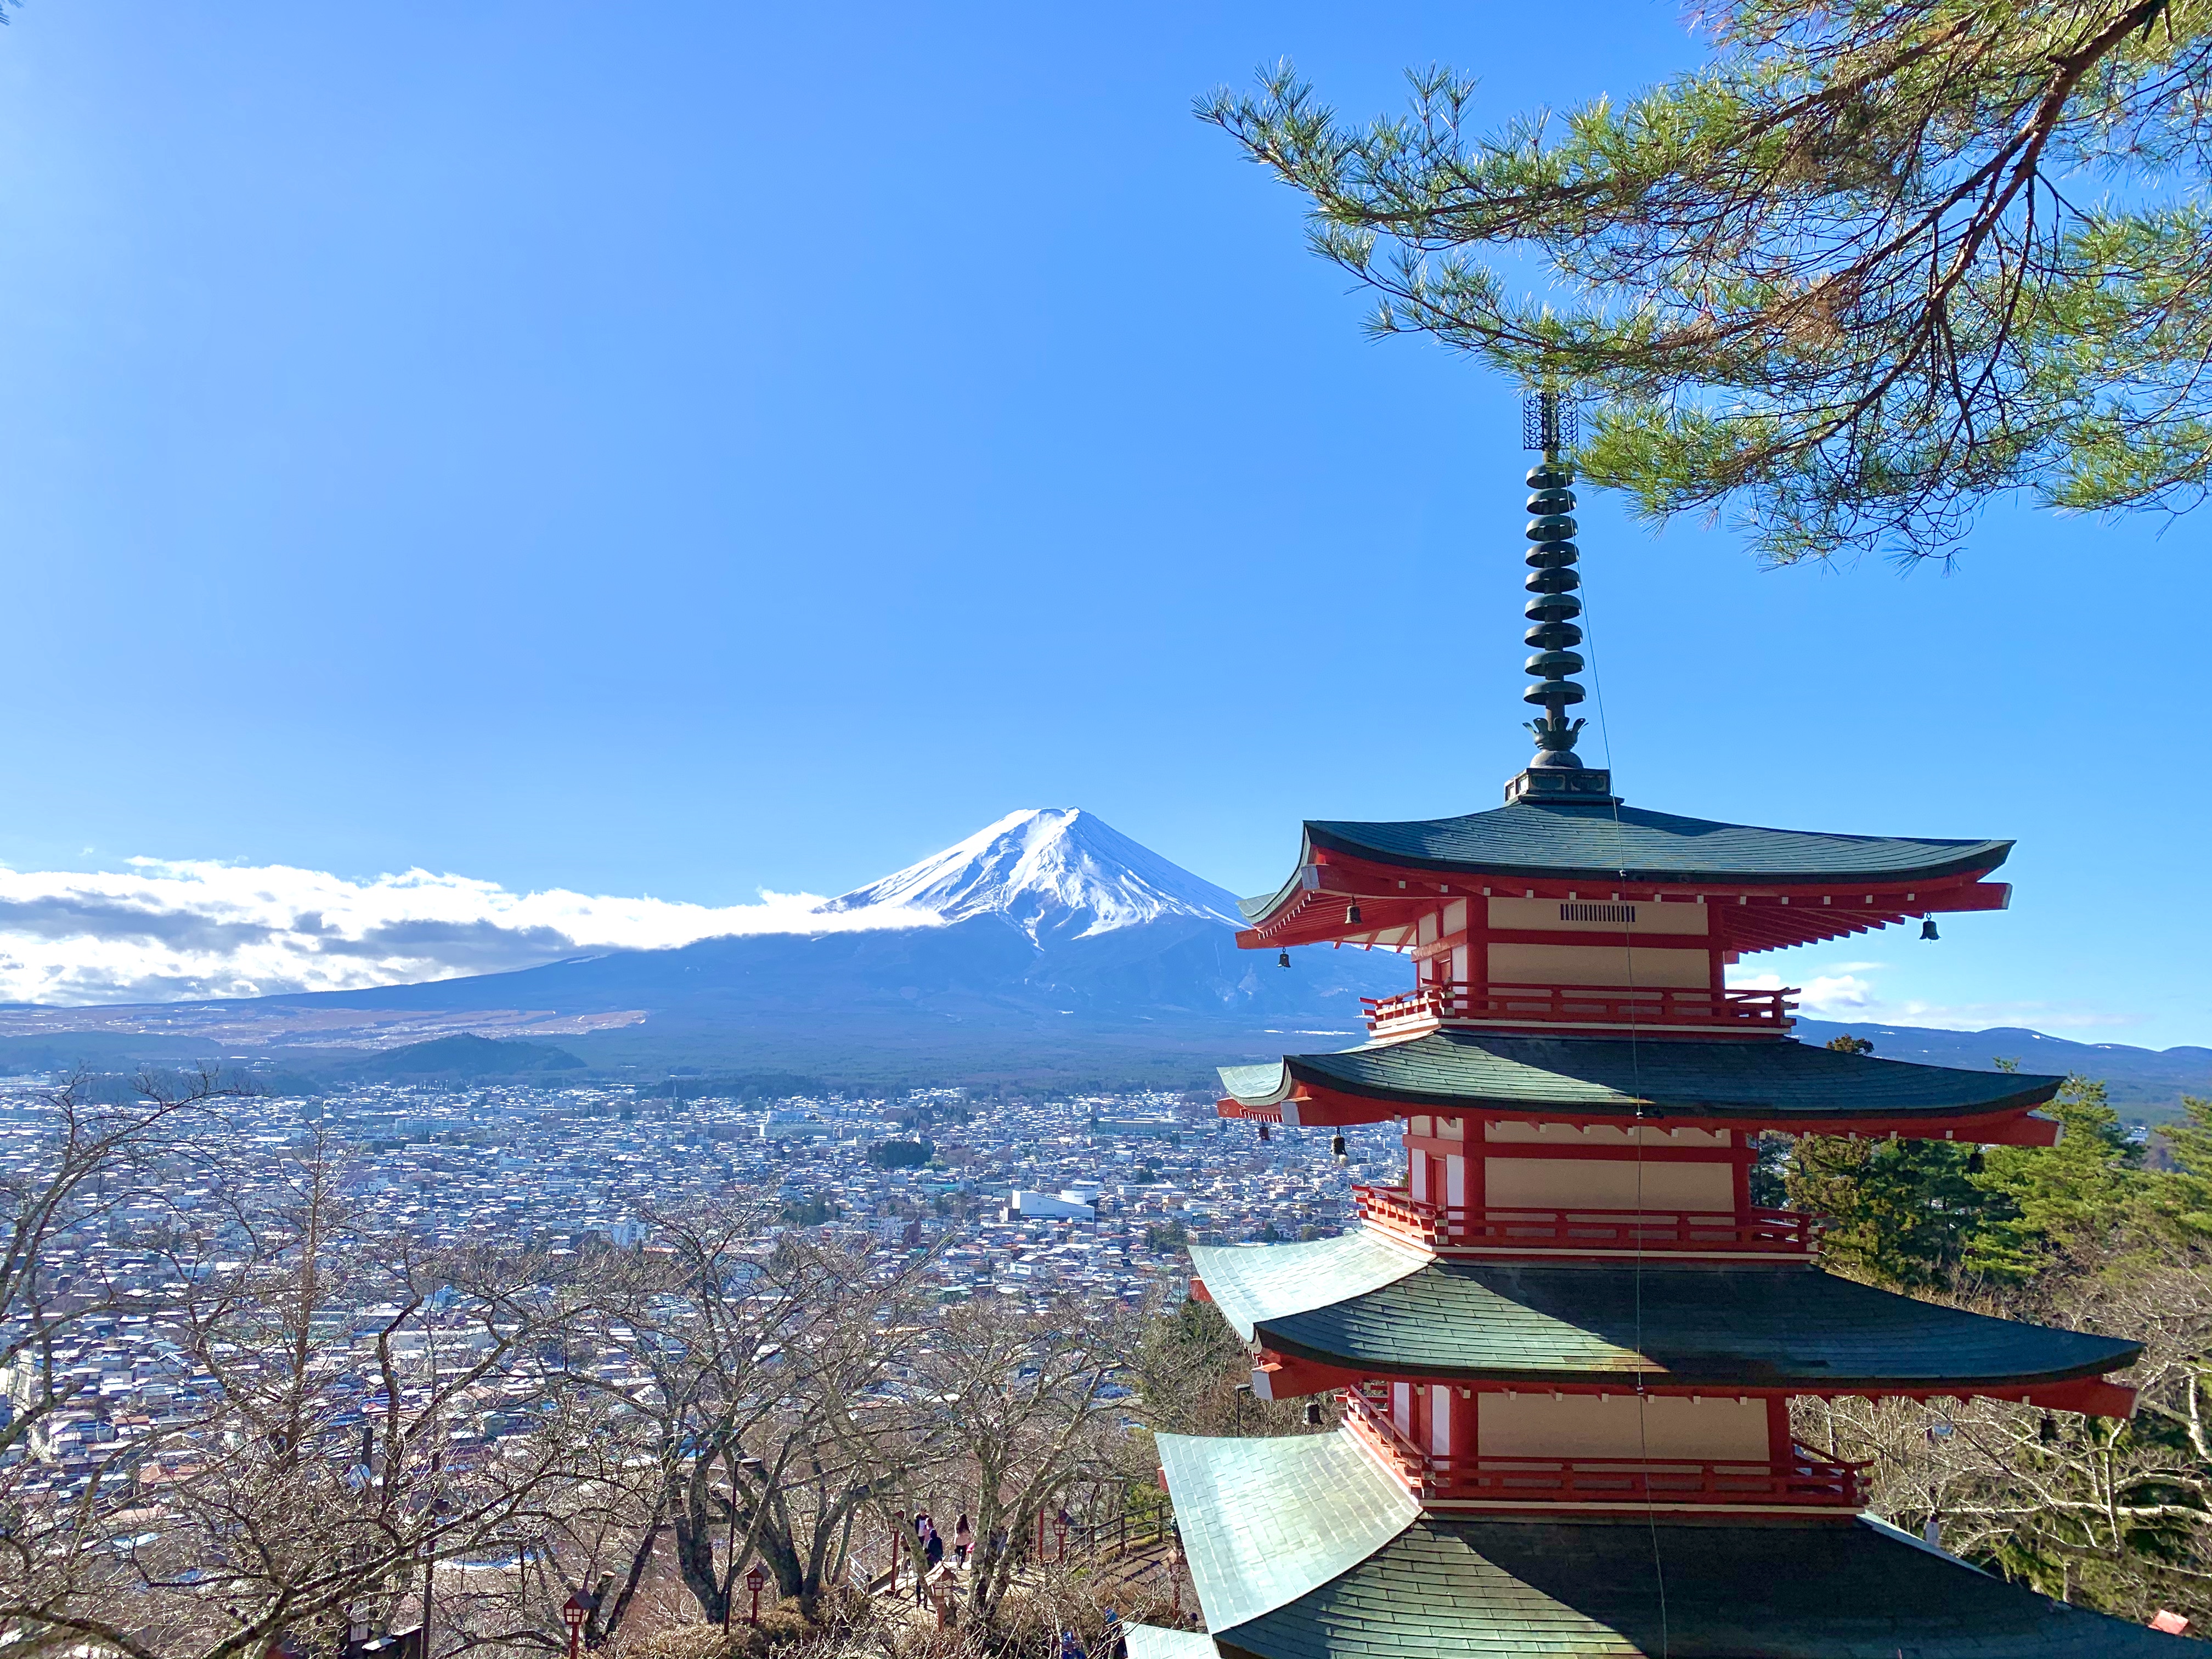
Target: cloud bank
1846,990
164,931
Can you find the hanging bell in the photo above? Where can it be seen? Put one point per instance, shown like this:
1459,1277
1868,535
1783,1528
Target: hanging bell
1928,929
1336,1146
1975,1163
1282,959
1351,915
1313,1413
1263,1135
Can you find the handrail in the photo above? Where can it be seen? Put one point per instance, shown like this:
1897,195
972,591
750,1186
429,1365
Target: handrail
1809,1478
1602,1005
1439,1226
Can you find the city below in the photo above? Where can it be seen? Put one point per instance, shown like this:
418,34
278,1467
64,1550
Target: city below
1126,1181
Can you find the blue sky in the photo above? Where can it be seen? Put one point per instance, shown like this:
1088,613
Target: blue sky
683,450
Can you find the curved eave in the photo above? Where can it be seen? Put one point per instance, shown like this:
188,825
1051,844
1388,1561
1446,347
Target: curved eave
1257,910
1680,1326
1634,1589
1944,1378
1789,1085
1301,1547
1960,858
1655,850
1616,1104
1361,1306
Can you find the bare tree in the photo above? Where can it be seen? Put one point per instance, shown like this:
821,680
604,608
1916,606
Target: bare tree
757,1371
269,1504
2117,1515
100,1154
1025,1404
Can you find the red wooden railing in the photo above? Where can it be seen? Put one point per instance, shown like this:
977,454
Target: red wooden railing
1588,1005
1807,1478
1394,1210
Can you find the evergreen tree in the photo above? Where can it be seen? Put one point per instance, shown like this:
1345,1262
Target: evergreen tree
2076,1197
2183,1195
1928,1215
1874,262
1900,1213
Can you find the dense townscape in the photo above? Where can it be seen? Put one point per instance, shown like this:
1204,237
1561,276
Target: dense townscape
563,1169
553,1346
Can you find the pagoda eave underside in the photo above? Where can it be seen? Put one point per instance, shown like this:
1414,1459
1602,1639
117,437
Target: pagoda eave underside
1303,1547
1762,914
1548,849
1358,1306
1291,1375
1781,1084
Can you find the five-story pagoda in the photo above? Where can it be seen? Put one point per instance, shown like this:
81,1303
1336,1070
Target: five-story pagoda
1568,1343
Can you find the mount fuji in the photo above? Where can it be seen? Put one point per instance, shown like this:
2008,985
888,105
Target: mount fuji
1047,945
1055,873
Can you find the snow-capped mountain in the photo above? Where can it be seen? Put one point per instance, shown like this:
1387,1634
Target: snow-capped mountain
1056,872
1048,936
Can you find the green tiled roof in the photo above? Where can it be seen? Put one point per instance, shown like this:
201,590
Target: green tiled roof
1770,1325
1264,1521
1158,1641
1300,1550
1628,1588
1253,1282
1582,839
1667,1076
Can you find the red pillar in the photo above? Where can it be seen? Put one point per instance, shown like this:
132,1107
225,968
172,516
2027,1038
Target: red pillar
1779,1446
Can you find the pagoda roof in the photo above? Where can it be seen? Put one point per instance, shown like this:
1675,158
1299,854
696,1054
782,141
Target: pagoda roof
1781,1082
1303,1547
1361,1304
1560,839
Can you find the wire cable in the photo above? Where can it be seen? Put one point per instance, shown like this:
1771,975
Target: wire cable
1635,1126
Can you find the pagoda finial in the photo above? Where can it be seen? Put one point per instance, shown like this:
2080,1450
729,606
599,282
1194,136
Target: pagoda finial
1556,773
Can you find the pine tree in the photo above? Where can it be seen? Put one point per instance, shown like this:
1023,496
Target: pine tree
1872,264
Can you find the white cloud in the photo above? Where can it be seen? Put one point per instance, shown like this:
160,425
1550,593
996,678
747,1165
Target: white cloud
167,932
1844,992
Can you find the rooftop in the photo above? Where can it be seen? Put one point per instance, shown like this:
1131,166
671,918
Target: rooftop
1364,1305
1777,1081
1304,1548
1632,843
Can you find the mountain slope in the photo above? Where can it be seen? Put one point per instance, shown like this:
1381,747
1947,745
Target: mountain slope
1049,925
1045,946
2142,1081
1055,873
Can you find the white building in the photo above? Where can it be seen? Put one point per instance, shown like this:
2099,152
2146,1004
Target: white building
1043,1206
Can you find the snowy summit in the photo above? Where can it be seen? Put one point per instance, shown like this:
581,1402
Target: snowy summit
1056,872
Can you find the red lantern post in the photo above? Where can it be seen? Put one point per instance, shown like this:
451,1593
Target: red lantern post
757,1581
573,1612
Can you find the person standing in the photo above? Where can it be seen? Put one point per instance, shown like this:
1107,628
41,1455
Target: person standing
963,1540
923,1533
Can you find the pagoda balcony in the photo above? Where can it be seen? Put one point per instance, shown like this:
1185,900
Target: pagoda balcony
1395,1211
1805,1480
1461,1002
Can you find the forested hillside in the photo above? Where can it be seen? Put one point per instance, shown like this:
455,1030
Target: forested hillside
2099,1233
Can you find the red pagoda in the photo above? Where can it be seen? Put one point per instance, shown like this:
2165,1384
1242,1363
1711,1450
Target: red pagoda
1566,1345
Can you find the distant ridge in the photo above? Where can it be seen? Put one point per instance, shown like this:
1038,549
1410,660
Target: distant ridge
2142,1081
466,1055
1047,947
